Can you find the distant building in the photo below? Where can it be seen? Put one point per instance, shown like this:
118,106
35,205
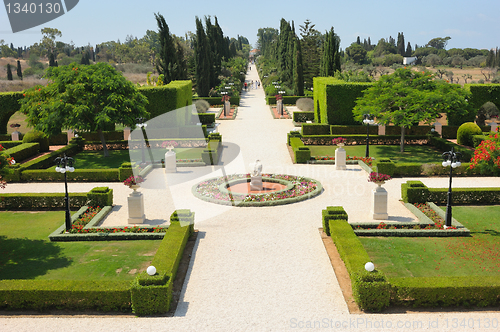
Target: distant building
409,60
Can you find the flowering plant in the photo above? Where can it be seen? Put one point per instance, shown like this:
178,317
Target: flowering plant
487,156
378,177
338,140
133,180
226,98
279,97
169,144
15,125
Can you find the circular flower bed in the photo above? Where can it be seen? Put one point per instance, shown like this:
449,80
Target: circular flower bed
298,189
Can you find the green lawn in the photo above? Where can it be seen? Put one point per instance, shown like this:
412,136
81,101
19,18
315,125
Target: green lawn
413,153
27,253
478,255
96,159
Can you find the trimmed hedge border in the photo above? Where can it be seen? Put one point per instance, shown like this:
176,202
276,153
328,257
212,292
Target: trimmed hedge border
147,295
219,113
373,291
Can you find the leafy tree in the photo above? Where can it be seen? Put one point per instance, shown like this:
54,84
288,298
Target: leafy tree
9,72
19,71
408,97
85,98
356,52
439,43
48,43
330,60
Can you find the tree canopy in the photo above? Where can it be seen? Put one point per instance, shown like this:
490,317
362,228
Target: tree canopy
408,97
84,98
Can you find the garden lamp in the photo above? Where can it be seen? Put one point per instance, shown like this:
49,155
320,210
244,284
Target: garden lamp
368,120
452,159
64,164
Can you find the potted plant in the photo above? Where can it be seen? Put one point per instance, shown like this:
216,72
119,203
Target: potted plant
378,178
133,181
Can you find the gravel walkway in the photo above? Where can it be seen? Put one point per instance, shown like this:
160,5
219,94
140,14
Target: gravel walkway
258,269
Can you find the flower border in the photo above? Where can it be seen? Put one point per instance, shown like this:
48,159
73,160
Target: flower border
302,188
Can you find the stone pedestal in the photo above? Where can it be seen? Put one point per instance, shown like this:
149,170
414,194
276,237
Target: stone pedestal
381,129
256,183
438,128
71,134
136,208
16,136
493,126
126,133
170,162
379,204
340,156
227,108
279,107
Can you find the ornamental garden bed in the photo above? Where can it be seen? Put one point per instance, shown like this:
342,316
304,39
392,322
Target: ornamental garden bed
36,274
423,271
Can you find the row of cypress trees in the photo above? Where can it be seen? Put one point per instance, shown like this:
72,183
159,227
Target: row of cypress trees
19,71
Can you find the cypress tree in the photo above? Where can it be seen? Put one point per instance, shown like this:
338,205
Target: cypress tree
298,77
202,60
401,44
19,71
52,61
330,60
167,59
9,72
408,50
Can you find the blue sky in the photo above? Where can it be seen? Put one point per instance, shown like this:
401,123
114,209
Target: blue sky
468,23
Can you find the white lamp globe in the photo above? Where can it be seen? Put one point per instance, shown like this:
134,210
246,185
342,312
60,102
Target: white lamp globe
458,163
369,267
70,169
58,169
444,163
151,270
62,170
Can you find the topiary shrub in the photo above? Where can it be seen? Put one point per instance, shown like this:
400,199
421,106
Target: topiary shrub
305,104
36,136
486,111
465,133
202,106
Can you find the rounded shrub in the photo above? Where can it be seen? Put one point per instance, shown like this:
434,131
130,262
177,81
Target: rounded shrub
305,104
36,136
202,106
465,133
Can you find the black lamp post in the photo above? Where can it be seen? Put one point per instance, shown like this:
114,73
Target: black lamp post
368,120
452,159
65,164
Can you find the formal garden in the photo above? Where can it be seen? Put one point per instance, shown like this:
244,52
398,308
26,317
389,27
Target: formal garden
118,132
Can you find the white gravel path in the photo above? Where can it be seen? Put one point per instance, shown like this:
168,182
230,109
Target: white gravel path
259,269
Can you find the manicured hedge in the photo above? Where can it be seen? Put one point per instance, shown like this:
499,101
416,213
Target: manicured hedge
374,292
77,295
315,129
206,118
79,175
163,99
332,213
98,196
23,151
361,139
371,290
217,101
302,154
417,192
335,99
301,116
353,130
287,100
9,104
10,144
153,294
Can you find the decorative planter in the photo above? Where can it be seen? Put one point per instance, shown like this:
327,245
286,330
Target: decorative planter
170,162
340,157
379,204
135,206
